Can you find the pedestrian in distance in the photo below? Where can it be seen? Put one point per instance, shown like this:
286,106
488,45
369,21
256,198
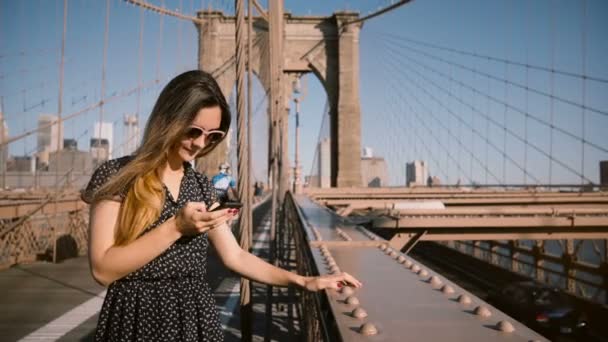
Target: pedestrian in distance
224,184
150,229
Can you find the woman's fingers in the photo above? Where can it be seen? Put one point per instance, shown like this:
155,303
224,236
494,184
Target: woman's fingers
351,280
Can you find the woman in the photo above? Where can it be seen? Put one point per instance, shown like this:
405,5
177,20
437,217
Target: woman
149,225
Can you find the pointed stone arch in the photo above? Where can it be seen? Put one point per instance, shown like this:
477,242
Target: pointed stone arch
312,44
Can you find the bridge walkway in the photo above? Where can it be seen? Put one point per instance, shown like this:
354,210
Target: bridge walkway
61,302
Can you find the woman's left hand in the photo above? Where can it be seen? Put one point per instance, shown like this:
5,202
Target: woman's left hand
331,281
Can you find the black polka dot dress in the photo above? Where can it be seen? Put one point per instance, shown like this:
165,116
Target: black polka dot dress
167,299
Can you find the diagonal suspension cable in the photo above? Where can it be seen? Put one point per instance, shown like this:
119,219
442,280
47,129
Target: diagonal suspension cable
496,100
387,73
410,92
506,81
416,85
503,127
497,59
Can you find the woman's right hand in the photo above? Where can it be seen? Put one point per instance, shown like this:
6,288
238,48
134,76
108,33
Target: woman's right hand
193,218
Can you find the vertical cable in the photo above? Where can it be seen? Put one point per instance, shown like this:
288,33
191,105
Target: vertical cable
584,84
179,41
527,100
243,170
160,42
487,135
551,103
106,38
59,125
504,149
139,77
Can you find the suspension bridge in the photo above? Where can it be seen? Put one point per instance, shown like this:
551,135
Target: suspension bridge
452,149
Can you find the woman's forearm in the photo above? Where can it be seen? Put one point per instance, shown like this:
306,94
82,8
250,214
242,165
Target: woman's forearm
119,261
256,269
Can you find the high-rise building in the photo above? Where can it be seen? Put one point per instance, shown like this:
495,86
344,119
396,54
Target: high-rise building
604,174
50,134
70,144
102,132
100,150
416,173
374,172
4,148
131,134
323,167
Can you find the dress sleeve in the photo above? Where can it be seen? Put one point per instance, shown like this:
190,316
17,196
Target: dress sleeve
100,176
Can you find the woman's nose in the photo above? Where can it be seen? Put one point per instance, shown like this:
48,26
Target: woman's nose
200,141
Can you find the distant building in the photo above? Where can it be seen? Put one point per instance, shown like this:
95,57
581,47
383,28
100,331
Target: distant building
3,137
103,132
323,166
70,144
374,172
131,134
433,181
21,164
70,161
604,174
100,150
50,134
416,173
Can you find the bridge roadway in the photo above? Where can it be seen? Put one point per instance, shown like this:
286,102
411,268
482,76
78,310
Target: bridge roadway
404,299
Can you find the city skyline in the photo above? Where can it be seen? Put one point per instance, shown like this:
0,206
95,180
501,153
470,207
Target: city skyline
519,32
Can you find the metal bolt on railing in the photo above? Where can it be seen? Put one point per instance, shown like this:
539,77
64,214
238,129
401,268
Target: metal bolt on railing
482,311
359,313
393,254
415,268
401,259
368,329
505,326
464,299
408,264
347,291
447,289
435,281
383,247
423,273
352,300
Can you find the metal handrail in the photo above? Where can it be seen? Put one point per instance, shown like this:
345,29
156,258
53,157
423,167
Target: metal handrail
313,308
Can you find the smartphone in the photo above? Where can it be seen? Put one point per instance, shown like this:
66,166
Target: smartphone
226,205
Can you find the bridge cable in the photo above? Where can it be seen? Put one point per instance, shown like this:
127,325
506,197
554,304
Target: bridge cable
475,131
462,121
502,80
499,125
494,59
494,99
397,118
410,92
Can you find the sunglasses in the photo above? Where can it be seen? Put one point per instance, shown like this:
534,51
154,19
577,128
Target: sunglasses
211,137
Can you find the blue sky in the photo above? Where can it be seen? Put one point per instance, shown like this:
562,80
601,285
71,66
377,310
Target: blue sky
404,94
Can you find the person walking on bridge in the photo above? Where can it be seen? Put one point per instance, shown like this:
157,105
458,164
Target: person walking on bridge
224,184
150,227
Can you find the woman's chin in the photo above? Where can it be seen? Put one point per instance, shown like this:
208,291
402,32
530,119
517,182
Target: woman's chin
187,156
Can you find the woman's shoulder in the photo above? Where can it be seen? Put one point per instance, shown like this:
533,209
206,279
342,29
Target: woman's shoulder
102,173
205,185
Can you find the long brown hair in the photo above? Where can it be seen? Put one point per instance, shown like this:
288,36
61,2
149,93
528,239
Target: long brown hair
174,111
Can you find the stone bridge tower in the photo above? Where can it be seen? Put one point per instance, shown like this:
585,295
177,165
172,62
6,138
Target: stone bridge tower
312,44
